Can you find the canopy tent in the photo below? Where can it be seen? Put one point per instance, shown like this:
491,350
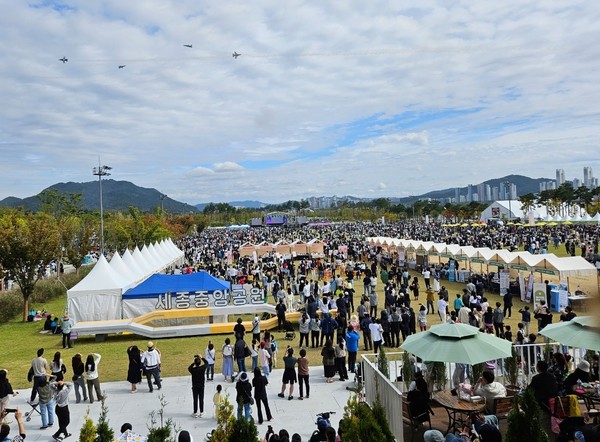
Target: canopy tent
172,291
97,297
575,270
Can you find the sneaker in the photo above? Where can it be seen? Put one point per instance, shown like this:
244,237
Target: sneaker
57,438
50,425
195,415
290,398
281,395
306,396
67,435
43,428
300,398
200,414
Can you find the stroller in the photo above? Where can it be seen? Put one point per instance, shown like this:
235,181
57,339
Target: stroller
290,332
34,409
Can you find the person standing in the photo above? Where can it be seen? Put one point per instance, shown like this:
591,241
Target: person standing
57,367
46,404
264,357
442,306
303,375
376,330
66,326
315,331
243,396
289,373
328,354
498,319
280,308
39,366
198,371
210,356
5,390
259,382
352,338
61,397
151,361
134,370
91,374
78,381
227,352
340,359
508,303
256,328
239,353
304,329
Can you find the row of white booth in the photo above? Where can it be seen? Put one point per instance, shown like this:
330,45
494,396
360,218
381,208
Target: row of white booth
574,270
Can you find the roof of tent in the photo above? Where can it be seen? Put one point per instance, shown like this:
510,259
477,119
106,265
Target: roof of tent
191,282
101,277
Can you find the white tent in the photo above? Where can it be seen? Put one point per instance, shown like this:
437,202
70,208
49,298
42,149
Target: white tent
96,297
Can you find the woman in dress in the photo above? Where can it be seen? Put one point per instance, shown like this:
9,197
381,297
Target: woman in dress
134,371
328,354
227,352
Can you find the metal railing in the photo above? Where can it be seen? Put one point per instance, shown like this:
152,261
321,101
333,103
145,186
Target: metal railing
377,386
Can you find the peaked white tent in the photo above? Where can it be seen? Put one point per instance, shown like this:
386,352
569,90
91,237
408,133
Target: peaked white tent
96,297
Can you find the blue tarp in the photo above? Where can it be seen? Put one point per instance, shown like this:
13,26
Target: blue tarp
159,284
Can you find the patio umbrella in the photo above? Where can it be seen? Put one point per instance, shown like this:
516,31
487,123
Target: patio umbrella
581,332
460,343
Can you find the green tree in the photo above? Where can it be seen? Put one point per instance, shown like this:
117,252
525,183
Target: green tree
382,363
523,421
103,431
28,243
243,430
527,202
88,430
78,233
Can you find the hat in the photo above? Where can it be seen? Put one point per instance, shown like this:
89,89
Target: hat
244,377
150,344
433,436
584,366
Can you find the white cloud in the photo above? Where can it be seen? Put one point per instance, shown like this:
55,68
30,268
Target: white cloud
418,96
227,166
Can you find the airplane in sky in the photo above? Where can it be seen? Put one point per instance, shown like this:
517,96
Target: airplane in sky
64,59
235,55
188,46
121,66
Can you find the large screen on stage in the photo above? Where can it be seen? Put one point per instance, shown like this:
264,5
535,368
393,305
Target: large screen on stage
275,219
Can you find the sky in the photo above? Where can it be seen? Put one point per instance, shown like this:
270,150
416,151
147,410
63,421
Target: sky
363,98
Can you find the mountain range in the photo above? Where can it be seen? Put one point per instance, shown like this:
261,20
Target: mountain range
120,195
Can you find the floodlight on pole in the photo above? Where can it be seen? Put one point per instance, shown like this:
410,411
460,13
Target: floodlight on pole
101,171
162,198
508,192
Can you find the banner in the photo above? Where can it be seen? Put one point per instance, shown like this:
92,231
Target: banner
539,292
504,279
451,268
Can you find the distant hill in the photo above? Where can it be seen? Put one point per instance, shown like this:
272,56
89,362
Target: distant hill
116,195
248,204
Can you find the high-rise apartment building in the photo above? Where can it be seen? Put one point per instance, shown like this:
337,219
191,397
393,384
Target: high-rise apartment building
588,177
560,177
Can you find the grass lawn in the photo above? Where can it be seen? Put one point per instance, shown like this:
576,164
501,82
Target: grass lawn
22,339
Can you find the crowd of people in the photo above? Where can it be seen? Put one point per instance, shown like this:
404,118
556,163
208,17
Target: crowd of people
346,283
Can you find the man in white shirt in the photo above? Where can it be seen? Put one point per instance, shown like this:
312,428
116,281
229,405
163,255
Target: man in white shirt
376,334
256,328
442,307
151,362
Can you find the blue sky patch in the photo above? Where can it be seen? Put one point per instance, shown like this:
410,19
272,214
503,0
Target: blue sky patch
56,6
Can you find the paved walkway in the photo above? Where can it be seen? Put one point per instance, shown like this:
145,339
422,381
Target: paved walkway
295,416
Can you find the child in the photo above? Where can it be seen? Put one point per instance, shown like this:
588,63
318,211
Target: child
218,401
525,318
422,318
209,355
520,334
507,333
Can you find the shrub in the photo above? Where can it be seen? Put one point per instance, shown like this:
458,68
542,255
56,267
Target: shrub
243,430
382,363
523,421
360,424
103,431
88,430
160,430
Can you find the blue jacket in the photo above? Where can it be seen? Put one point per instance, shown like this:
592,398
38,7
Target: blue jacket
352,339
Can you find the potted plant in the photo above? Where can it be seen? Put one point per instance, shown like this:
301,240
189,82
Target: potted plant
512,374
523,421
408,370
438,375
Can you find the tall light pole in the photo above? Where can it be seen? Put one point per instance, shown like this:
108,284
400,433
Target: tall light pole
101,171
162,209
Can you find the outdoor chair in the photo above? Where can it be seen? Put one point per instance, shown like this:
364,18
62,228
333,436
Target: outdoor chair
414,421
502,406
